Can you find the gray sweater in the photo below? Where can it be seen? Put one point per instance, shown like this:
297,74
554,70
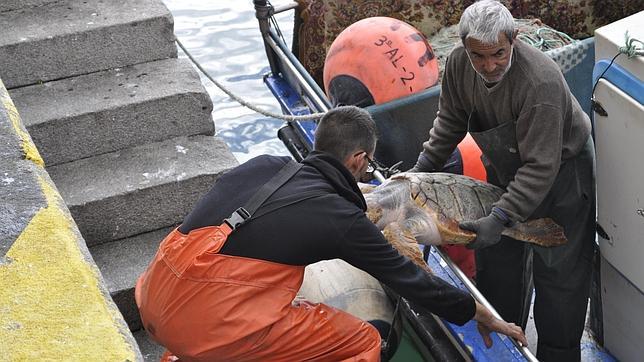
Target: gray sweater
551,127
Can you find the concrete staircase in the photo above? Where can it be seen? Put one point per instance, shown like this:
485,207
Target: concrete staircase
124,127
67,38
110,110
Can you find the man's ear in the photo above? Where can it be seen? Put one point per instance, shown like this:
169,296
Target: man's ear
352,162
355,162
514,35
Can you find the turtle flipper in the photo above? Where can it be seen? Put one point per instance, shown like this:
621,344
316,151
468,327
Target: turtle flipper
406,244
543,232
421,224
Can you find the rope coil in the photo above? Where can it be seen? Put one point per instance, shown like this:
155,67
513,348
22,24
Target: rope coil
541,40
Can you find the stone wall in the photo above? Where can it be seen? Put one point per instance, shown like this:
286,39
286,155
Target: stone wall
53,300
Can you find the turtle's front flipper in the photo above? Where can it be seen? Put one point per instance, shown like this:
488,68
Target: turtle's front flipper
420,223
403,241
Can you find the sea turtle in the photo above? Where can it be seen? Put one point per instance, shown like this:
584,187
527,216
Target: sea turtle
426,208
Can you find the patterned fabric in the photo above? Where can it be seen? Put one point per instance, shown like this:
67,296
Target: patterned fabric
569,56
318,22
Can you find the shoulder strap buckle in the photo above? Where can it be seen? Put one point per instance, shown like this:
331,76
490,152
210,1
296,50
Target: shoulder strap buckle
242,214
237,218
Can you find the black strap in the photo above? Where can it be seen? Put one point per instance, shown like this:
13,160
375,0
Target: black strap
242,214
270,207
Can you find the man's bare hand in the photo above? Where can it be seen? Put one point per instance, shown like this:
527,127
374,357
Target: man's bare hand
487,323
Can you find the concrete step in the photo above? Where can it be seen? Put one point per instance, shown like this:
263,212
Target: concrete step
121,262
97,113
150,350
136,190
70,37
8,5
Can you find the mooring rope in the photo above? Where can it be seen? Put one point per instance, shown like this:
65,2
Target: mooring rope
243,102
629,48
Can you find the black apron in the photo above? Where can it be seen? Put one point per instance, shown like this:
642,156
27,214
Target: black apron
561,274
502,160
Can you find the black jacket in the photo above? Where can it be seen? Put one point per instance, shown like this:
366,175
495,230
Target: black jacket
329,226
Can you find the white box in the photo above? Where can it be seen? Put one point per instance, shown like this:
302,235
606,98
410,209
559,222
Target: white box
609,38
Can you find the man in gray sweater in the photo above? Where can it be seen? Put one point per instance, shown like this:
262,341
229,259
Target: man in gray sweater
536,143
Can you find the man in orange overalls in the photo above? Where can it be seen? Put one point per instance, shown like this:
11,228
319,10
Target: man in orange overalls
217,294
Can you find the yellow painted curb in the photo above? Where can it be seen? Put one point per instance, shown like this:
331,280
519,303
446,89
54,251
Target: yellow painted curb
52,302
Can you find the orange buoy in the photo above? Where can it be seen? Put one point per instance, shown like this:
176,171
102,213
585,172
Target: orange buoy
377,60
471,159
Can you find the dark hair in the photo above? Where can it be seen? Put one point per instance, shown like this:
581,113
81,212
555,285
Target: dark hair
345,130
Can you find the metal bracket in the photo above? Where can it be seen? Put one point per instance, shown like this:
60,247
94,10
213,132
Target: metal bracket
597,107
380,172
602,233
263,9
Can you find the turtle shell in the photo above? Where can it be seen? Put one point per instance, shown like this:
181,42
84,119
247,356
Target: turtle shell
431,205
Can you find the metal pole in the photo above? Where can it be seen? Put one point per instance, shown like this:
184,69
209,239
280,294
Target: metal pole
286,62
378,176
263,12
285,7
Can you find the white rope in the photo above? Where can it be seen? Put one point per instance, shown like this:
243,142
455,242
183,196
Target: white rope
244,103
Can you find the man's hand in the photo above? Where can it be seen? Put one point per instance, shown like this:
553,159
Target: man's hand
487,323
488,229
423,164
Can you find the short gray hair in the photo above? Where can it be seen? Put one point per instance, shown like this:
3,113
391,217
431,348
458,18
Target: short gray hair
485,20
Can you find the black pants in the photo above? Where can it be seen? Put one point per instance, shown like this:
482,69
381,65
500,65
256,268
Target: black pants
561,275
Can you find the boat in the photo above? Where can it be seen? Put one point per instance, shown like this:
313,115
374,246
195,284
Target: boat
403,124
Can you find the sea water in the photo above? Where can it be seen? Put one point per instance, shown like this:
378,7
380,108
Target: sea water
223,36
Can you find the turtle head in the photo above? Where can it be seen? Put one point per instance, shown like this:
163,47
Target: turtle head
386,203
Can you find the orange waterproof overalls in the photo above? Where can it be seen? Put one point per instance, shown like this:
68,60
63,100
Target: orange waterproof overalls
205,306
